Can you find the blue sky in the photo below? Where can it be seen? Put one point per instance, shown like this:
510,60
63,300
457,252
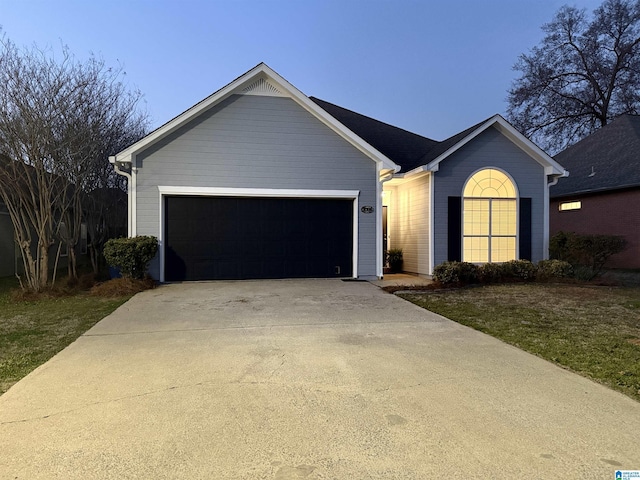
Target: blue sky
434,68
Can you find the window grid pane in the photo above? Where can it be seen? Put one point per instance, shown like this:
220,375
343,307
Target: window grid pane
503,249
476,249
503,217
490,183
476,217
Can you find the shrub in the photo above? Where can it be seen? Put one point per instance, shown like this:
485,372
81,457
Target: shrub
519,270
131,255
586,253
554,269
455,273
491,273
559,247
394,259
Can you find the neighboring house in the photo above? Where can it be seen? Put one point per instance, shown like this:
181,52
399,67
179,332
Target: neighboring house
11,262
7,244
260,181
602,194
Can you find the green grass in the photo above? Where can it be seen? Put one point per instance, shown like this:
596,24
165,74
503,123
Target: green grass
593,331
31,332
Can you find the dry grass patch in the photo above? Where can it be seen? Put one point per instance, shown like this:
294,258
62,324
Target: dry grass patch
119,287
594,331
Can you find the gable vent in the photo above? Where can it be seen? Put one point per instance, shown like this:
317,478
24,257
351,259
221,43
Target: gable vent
262,87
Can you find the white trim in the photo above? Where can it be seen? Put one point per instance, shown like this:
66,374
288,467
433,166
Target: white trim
256,192
260,71
165,190
432,223
356,223
134,200
378,212
545,221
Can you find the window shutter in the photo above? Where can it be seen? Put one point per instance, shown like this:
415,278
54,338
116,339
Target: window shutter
454,230
525,229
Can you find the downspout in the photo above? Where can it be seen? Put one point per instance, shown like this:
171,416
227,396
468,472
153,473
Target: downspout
117,167
546,225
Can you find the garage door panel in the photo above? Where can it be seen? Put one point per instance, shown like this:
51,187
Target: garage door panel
237,238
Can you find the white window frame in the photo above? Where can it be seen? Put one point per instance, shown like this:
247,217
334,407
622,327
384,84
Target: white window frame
490,199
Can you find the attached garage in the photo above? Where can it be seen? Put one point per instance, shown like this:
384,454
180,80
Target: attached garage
257,181
228,237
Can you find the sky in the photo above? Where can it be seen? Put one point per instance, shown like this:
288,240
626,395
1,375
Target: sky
430,67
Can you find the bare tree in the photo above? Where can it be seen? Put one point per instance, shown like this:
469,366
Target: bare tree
101,120
59,122
585,72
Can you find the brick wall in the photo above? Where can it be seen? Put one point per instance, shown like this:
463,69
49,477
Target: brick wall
612,213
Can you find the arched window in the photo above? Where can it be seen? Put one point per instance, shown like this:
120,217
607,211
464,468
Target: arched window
489,218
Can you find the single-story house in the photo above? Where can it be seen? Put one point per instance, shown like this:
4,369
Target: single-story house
260,181
602,195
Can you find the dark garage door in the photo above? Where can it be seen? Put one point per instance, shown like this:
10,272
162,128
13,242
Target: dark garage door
223,238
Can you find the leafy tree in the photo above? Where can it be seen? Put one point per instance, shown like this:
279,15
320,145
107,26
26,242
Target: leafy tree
60,119
584,73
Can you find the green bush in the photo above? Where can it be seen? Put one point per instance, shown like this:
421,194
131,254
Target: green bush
519,270
491,273
586,253
394,259
548,269
131,255
455,273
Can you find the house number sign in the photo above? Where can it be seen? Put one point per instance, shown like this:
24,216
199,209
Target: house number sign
367,209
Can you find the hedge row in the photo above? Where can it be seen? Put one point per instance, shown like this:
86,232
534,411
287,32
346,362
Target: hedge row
464,273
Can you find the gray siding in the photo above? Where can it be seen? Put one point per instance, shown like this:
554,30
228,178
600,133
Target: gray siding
7,246
257,142
489,149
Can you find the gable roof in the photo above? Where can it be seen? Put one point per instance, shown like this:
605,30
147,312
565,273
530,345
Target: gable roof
415,153
454,143
392,147
608,159
260,80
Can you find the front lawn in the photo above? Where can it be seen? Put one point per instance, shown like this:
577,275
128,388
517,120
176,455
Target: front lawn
31,332
593,331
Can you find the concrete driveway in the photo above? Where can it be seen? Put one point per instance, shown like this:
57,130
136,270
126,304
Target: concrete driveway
312,379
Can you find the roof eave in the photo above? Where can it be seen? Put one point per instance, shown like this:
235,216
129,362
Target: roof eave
550,165
595,191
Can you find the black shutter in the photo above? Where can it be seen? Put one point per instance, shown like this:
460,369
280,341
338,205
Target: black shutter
525,229
454,230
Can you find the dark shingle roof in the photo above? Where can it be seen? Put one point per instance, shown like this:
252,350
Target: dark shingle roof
409,150
404,148
608,159
445,145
